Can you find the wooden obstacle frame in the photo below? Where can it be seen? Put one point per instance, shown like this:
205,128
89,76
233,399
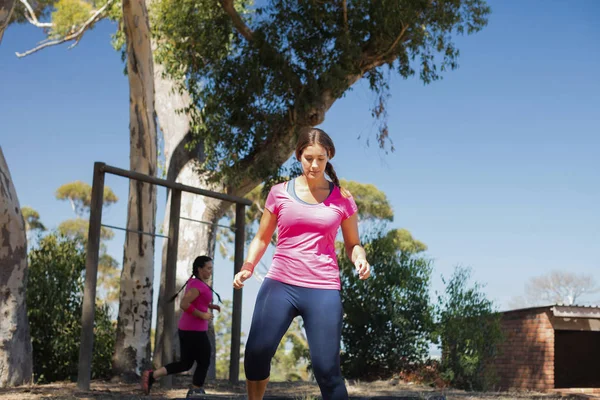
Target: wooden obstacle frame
92,257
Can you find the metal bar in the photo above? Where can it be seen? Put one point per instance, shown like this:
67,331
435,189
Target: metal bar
91,272
174,185
236,323
134,231
171,266
208,223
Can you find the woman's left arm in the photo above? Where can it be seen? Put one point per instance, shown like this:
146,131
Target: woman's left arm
354,251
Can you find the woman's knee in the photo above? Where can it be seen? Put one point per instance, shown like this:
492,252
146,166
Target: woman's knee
258,353
180,366
188,364
257,362
327,374
203,362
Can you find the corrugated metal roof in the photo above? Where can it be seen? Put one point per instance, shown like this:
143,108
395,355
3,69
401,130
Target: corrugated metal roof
576,311
581,308
578,305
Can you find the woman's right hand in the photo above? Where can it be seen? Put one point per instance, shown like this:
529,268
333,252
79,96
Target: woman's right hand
240,277
207,316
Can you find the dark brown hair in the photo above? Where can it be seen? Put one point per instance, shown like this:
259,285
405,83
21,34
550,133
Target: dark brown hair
199,262
309,136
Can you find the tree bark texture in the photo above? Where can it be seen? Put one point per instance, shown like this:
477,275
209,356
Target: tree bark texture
16,366
132,348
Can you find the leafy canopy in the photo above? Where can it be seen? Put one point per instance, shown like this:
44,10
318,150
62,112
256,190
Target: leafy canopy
257,75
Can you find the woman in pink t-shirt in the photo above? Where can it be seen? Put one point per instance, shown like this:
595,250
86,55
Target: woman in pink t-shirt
304,278
192,328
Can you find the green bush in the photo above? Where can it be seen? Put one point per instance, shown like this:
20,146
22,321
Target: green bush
469,331
54,302
388,318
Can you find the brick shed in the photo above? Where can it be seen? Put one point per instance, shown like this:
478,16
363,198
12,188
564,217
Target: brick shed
552,347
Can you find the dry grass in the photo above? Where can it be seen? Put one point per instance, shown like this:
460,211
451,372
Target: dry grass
102,390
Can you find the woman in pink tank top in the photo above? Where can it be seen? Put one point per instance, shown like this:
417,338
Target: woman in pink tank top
193,327
303,279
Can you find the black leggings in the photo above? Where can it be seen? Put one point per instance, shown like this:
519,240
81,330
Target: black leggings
194,347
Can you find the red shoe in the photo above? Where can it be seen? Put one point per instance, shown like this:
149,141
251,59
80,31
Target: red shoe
146,384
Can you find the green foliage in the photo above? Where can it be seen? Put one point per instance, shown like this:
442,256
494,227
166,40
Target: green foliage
291,361
388,317
253,90
405,242
79,227
222,326
79,195
41,8
372,203
115,13
469,331
291,358
68,16
193,30
54,302
109,277
32,219
108,268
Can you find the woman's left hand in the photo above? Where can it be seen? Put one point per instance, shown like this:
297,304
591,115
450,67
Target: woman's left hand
363,268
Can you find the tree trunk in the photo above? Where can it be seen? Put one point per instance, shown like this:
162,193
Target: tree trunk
195,238
6,9
15,346
132,347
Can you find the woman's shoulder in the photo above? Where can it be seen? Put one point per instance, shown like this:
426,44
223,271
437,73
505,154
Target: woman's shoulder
195,283
345,202
279,188
342,193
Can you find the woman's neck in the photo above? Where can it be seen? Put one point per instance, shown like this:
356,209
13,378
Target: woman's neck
314,184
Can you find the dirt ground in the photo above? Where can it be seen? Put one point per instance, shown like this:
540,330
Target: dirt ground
104,390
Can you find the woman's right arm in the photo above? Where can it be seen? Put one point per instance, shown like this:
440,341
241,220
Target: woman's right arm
186,305
258,246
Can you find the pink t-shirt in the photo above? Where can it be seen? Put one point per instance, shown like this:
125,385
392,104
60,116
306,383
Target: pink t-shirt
189,322
305,253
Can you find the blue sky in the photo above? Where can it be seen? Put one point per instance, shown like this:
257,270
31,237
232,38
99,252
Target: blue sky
496,167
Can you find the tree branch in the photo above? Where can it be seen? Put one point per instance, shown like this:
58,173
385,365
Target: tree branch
30,16
279,146
73,36
181,155
369,62
6,11
395,43
238,23
269,55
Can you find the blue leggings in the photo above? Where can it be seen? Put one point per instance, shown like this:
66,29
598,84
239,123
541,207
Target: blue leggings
277,304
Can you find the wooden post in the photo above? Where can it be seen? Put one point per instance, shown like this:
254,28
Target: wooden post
91,274
236,323
170,276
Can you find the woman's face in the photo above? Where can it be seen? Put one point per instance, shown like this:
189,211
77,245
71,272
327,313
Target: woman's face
206,272
314,159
